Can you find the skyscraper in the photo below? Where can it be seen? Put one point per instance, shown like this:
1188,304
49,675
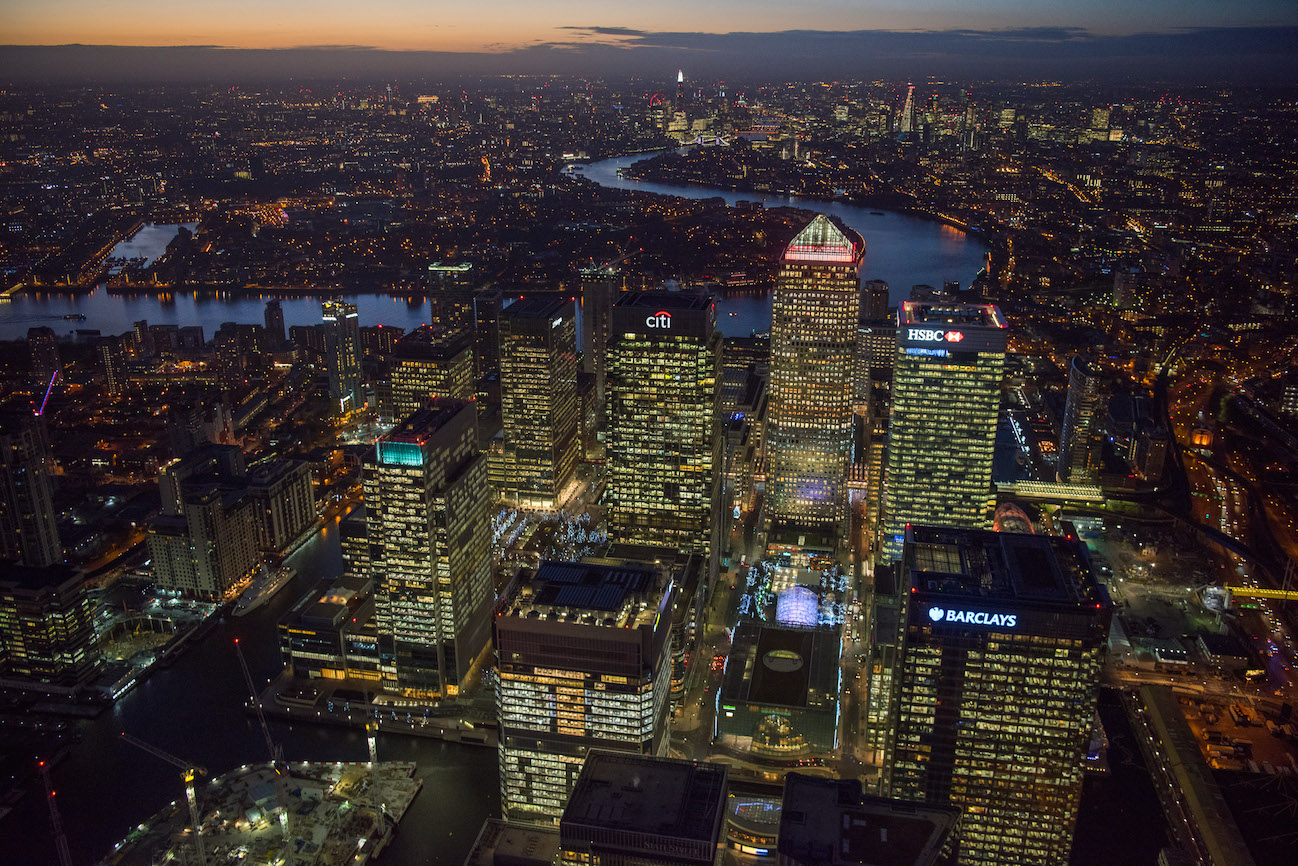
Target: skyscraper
143,340
28,531
47,626
813,345
112,354
1079,443
343,355
600,287
1003,642
583,653
946,390
538,399
663,443
274,325
43,346
430,362
875,306
426,500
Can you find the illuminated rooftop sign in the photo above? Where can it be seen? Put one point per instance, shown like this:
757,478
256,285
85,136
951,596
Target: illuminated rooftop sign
660,319
972,617
933,335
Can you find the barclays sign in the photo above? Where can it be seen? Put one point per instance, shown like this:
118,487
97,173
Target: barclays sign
972,617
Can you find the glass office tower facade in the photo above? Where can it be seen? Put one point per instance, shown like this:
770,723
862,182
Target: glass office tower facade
342,333
663,443
1003,639
946,391
583,654
1079,442
538,399
814,312
426,502
29,532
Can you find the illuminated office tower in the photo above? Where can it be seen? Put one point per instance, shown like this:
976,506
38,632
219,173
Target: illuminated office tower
1003,639
112,354
663,444
47,627
583,654
946,391
426,503
813,349
1079,443
538,399
28,532
430,362
342,353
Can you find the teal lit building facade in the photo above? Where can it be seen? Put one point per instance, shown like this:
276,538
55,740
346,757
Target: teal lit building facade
427,501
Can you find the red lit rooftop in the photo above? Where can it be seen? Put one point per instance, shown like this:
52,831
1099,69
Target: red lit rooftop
822,241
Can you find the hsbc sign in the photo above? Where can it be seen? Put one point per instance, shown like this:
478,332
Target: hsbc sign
933,335
661,319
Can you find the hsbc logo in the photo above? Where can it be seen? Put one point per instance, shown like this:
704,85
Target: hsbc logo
661,319
933,335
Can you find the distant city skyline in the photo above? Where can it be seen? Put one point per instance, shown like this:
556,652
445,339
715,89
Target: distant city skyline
822,37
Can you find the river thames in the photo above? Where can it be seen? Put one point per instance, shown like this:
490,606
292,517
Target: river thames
901,249
195,708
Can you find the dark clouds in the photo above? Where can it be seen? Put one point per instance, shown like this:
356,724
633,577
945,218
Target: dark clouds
1262,55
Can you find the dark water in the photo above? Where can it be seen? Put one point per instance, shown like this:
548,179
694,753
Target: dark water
195,710
901,249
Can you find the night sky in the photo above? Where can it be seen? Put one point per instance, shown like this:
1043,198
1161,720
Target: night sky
1242,39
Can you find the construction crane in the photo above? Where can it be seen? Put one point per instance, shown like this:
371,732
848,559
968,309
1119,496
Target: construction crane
188,771
276,751
60,838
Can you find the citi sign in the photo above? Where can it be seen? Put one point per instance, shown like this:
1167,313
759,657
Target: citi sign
933,335
660,319
973,617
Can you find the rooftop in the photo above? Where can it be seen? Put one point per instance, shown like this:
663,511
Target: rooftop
998,566
36,577
428,342
830,821
659,299
777,665
425,422
964,315
619,595
536,306
501,843
822,241
663,798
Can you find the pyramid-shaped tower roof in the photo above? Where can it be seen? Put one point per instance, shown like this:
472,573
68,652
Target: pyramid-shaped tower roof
821,241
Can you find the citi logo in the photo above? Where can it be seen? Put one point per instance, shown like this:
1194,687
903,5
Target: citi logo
660,319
